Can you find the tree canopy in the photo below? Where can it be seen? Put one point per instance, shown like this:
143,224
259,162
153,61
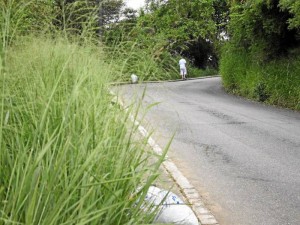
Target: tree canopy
261,58
71,16
187,28
267,28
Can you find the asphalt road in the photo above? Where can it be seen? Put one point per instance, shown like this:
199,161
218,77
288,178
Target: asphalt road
242,156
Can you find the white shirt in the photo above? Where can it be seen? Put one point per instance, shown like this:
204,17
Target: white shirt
182,63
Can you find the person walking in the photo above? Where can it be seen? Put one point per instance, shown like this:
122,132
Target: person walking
183,70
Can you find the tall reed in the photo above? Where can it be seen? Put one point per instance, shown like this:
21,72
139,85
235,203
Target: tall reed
67,155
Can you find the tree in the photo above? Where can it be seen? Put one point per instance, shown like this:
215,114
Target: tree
110,11
77,15
221,18
266,28
184,25
293,7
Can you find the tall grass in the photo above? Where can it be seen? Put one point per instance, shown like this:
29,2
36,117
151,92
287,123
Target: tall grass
275,82
148,62
67,155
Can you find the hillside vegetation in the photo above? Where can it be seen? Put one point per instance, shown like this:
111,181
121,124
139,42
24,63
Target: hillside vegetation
255,45
68,153
261,60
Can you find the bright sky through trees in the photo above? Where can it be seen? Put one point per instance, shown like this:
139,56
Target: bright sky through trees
135,4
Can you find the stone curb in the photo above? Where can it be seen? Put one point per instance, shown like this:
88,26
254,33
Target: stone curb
149,82
187,189
191,194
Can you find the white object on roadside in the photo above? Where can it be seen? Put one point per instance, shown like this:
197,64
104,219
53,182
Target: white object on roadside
134,78
171,209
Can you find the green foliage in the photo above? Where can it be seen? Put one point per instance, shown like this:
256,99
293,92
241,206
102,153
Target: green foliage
85,18
75,16
22,17
221,17
148,62
293,7
194,72
261,92
158,38
276,82
184,24
68,156
261,59
261,27
181,21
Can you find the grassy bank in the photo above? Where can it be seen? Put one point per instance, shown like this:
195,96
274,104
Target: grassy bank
274,82
147,56
67,155
146,62
150,64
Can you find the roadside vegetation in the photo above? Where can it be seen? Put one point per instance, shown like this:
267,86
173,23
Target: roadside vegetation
68,153
261,59
254,45
159,35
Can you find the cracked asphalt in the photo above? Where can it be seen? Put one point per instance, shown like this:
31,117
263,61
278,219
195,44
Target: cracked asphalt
242,156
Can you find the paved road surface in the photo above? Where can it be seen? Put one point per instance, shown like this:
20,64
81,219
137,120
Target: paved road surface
243,157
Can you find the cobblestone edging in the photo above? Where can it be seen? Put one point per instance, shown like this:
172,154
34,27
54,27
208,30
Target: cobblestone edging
192,196
188,190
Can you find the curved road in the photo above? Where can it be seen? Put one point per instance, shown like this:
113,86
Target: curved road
242,156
